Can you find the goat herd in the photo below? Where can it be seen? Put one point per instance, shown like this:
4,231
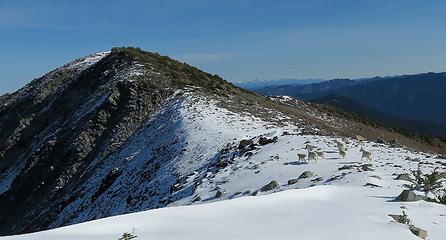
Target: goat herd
314,152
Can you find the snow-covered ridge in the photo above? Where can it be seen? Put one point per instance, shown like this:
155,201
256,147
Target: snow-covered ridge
175,145
36,86
189,153
193,151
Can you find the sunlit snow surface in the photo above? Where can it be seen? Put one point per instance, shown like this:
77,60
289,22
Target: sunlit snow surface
323,212
334,204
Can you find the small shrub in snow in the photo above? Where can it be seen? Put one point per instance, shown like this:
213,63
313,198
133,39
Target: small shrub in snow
418,177
428,183
127,236
442,198
431,182
404,219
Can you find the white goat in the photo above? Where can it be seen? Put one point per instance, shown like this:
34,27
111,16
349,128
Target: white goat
312,156
310,147
342,153
302,157
340,145
320,153
366,154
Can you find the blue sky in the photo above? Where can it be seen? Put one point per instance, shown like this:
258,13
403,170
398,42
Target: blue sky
239,40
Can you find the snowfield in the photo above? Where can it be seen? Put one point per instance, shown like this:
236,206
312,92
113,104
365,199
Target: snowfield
322,212
190,153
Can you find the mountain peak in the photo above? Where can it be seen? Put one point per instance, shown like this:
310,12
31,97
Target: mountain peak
55,129
129,130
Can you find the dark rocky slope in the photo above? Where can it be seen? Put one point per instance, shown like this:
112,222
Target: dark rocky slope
54,127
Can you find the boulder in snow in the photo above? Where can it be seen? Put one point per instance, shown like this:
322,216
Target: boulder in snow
292,181
372,185
365,167
421,233
380,141
244,143
265,140
346,167
219,194
222,163
307,174
248,154
270,186
409,196
405,177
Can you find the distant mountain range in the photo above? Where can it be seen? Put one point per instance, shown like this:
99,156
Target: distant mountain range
416,102
349,105
262,83
298,90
